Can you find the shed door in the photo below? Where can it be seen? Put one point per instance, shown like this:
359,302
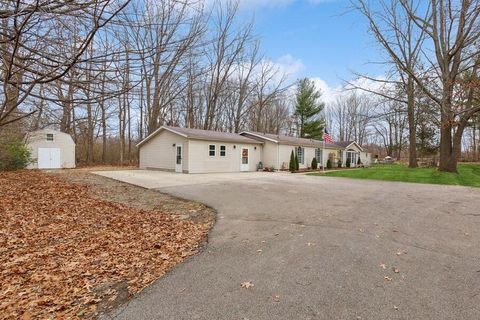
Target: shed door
49,158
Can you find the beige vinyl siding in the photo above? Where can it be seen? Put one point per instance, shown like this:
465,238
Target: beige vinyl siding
62,141
366,158
284,152
326,153
202,162
309,155
159,152
270,155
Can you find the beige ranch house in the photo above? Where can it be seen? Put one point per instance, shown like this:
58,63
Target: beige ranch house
186,150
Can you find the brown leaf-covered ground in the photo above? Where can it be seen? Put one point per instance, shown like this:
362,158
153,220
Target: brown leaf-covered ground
66,251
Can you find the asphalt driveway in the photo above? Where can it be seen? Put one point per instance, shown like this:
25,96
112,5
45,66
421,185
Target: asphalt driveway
325,248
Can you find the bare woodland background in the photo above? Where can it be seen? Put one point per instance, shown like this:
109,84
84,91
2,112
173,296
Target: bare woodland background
111,72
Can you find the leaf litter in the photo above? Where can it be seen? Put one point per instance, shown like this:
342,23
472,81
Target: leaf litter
63,251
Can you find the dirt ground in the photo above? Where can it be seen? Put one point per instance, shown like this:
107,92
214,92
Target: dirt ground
74,244
134,196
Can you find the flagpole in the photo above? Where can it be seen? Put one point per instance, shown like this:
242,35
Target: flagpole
323,152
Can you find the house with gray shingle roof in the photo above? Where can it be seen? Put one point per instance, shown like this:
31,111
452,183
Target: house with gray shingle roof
278,148
188,150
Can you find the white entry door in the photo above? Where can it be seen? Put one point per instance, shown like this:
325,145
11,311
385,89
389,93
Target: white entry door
179,159
245,160
49,158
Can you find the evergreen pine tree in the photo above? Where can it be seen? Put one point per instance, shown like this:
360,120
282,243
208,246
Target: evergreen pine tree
329,164
308,109
291,165
314,163
297,165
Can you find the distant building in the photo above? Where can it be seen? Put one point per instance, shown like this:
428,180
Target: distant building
50,149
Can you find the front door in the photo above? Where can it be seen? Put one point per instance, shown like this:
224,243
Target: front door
245,160
179,159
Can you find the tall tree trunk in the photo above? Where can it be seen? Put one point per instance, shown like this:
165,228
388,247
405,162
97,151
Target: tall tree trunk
448,158
412,129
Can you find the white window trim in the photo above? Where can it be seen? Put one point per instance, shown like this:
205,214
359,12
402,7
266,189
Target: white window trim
220,151
214,150
303,155
319,153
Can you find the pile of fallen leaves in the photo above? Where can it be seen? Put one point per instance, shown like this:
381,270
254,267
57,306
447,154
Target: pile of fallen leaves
62,251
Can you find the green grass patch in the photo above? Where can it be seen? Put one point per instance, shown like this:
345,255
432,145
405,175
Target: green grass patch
468,174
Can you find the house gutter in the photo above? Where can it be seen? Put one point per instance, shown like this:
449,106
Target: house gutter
278,156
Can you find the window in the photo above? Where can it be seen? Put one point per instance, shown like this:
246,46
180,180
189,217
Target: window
223,151
300,155
49,136
244,156
179,154
211,150
319,156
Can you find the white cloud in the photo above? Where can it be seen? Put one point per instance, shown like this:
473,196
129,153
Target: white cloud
289,65
329,93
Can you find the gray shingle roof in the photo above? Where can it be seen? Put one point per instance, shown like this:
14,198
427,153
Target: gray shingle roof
207,135
282,139
344,144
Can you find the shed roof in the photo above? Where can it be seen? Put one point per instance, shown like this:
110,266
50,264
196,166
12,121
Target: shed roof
38,134
198,134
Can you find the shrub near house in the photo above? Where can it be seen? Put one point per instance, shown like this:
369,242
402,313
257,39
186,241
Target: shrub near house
14,154
329,164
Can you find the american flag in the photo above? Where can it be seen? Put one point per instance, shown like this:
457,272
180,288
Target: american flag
327,137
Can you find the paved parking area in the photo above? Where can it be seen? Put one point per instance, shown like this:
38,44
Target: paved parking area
322,248
160,179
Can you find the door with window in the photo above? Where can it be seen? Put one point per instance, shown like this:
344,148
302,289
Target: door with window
245,160
179,159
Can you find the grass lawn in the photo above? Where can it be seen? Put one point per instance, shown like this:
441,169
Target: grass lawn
469,174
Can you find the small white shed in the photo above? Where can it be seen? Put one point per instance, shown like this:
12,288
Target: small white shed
50,149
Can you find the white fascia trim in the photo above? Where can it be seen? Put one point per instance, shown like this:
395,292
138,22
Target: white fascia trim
173,131
154,133
355,143
259,136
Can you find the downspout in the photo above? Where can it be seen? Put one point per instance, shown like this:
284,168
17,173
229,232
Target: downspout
278,156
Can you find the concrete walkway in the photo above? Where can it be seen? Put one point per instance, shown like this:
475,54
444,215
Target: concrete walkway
325,248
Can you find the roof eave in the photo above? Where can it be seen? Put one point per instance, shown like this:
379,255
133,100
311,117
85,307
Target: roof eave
355,143
154,133
259,136
225,140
